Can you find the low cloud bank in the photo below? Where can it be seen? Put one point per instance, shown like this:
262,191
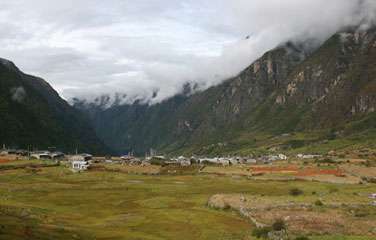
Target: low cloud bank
150,49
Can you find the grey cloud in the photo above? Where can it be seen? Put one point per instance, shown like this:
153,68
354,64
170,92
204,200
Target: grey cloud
90,48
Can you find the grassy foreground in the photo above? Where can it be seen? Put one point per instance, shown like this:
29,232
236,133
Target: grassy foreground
54,203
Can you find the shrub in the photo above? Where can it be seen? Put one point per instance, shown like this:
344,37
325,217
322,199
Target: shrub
296,192
261,232
333,190
226,207
279,225
326,160
360,213
158,162
332,134
319,203
367,164
193,161
372,180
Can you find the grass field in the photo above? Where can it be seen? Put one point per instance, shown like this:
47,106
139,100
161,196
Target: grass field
54,203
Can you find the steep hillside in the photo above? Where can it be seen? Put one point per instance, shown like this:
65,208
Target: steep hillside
32,114
288,90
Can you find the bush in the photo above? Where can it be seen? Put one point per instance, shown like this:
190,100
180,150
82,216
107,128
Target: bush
296,192
372,180
261,232
193,161
326,160
367,164
360,213
279,225
319,203
158,162
333,190
332,134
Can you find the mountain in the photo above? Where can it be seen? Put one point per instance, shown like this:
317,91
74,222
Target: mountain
291,98
34,115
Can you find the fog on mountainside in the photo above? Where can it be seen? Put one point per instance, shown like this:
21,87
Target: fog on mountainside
150,50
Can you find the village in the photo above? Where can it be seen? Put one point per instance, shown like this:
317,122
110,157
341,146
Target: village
82,161
314,167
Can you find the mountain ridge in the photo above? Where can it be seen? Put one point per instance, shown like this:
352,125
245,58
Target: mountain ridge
287,90
34,115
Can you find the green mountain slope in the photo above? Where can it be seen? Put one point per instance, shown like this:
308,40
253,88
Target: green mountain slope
315,96
32,114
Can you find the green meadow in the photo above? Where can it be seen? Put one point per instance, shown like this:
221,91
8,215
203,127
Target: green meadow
55,203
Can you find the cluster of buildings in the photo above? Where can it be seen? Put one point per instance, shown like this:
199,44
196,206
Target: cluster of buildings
183,161
33,154
18,152
226,161
78,162
47,155
187,161
308,156
81,162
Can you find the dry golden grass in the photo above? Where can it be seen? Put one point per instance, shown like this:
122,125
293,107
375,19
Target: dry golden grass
339,213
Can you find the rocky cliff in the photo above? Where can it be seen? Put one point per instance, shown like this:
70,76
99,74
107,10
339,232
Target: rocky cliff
290,89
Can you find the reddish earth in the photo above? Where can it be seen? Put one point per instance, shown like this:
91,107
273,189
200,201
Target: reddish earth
317,171
275,169
4,160
302,172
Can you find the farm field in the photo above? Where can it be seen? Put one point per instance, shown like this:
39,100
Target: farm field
55,203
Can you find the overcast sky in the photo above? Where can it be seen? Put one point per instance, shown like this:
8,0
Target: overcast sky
86,48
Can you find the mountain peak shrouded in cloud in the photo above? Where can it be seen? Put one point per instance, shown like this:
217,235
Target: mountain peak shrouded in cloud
150,49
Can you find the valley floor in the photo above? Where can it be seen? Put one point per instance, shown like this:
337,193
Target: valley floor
51,202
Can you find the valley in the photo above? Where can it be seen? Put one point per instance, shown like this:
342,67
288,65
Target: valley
188,120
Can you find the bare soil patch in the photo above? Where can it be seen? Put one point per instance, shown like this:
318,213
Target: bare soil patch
297,171
360,171
300,217
4,160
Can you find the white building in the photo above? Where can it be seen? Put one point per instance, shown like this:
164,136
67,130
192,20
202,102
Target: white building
209,160
185,163
182,161
309,156
250,161
81,157
7,152
41,155
80,165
